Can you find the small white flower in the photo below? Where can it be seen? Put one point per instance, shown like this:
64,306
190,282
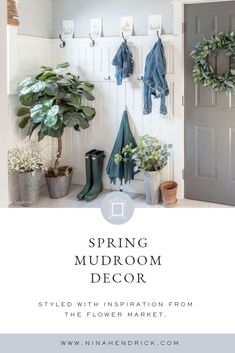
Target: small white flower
28,158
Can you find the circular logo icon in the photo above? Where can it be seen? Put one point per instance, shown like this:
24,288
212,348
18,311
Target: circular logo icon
117,208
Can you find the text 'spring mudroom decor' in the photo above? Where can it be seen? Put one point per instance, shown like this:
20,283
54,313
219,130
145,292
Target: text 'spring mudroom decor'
203,72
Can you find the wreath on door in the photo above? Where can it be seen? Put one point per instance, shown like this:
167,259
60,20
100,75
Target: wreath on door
204,72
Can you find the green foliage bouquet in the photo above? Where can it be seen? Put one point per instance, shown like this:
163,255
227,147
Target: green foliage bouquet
149,155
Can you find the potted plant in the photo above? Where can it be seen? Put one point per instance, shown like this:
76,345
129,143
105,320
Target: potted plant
150,157
50,102
169,193
27,162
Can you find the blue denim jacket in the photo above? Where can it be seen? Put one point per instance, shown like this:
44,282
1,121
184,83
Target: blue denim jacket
124,63
155,78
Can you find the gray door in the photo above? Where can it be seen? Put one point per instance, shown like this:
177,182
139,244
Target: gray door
209,116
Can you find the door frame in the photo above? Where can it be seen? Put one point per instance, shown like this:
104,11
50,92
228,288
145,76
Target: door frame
179,125
4,106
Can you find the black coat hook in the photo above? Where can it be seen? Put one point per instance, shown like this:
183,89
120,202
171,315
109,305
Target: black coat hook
158,35
63,43
125,39
92,44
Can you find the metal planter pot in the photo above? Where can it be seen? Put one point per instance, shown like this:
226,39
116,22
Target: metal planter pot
152,187
59,187
29,187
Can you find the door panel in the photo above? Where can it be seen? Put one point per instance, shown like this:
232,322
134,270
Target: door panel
209,115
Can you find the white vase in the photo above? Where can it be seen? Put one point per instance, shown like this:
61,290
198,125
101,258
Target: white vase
152,187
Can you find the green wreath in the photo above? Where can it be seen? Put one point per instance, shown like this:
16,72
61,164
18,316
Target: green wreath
204,72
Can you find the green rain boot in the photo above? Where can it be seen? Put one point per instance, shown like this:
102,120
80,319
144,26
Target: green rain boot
97,171
89,178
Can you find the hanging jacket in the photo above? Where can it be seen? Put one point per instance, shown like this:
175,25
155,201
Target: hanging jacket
124,63
155,83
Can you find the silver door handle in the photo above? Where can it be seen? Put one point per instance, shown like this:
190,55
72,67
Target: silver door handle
107,78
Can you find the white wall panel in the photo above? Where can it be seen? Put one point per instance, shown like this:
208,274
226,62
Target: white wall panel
3,105
94,64
25,56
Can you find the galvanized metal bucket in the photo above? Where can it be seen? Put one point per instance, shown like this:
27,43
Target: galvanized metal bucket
29,187
59,187
152,187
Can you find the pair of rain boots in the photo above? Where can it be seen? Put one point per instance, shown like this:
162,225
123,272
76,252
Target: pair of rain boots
94,169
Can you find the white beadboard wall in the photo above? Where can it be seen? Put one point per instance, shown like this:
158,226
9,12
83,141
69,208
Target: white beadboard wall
94,64
27,54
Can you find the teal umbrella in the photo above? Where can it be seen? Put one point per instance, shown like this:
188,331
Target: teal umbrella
124,171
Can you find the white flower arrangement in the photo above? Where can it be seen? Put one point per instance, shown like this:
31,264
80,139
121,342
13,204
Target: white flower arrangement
27,159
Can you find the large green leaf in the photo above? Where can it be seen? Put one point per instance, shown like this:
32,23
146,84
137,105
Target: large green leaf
37,113
51,121
89,112
56,133
31,129
83,122
23,111
75,101
23,122
64,83
62,66
28,100
71,119
52,79
77,127
59,122
45,131
53,111
47,103
38,87
88,96
64,108
46,68
63,94
27,82
47,76
51,89
35,88
52,116
88,88
88,84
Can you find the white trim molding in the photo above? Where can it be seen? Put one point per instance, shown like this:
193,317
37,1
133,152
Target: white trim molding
4,106
184,2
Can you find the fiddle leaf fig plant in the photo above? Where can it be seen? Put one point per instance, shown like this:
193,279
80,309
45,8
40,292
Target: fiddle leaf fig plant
52,101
